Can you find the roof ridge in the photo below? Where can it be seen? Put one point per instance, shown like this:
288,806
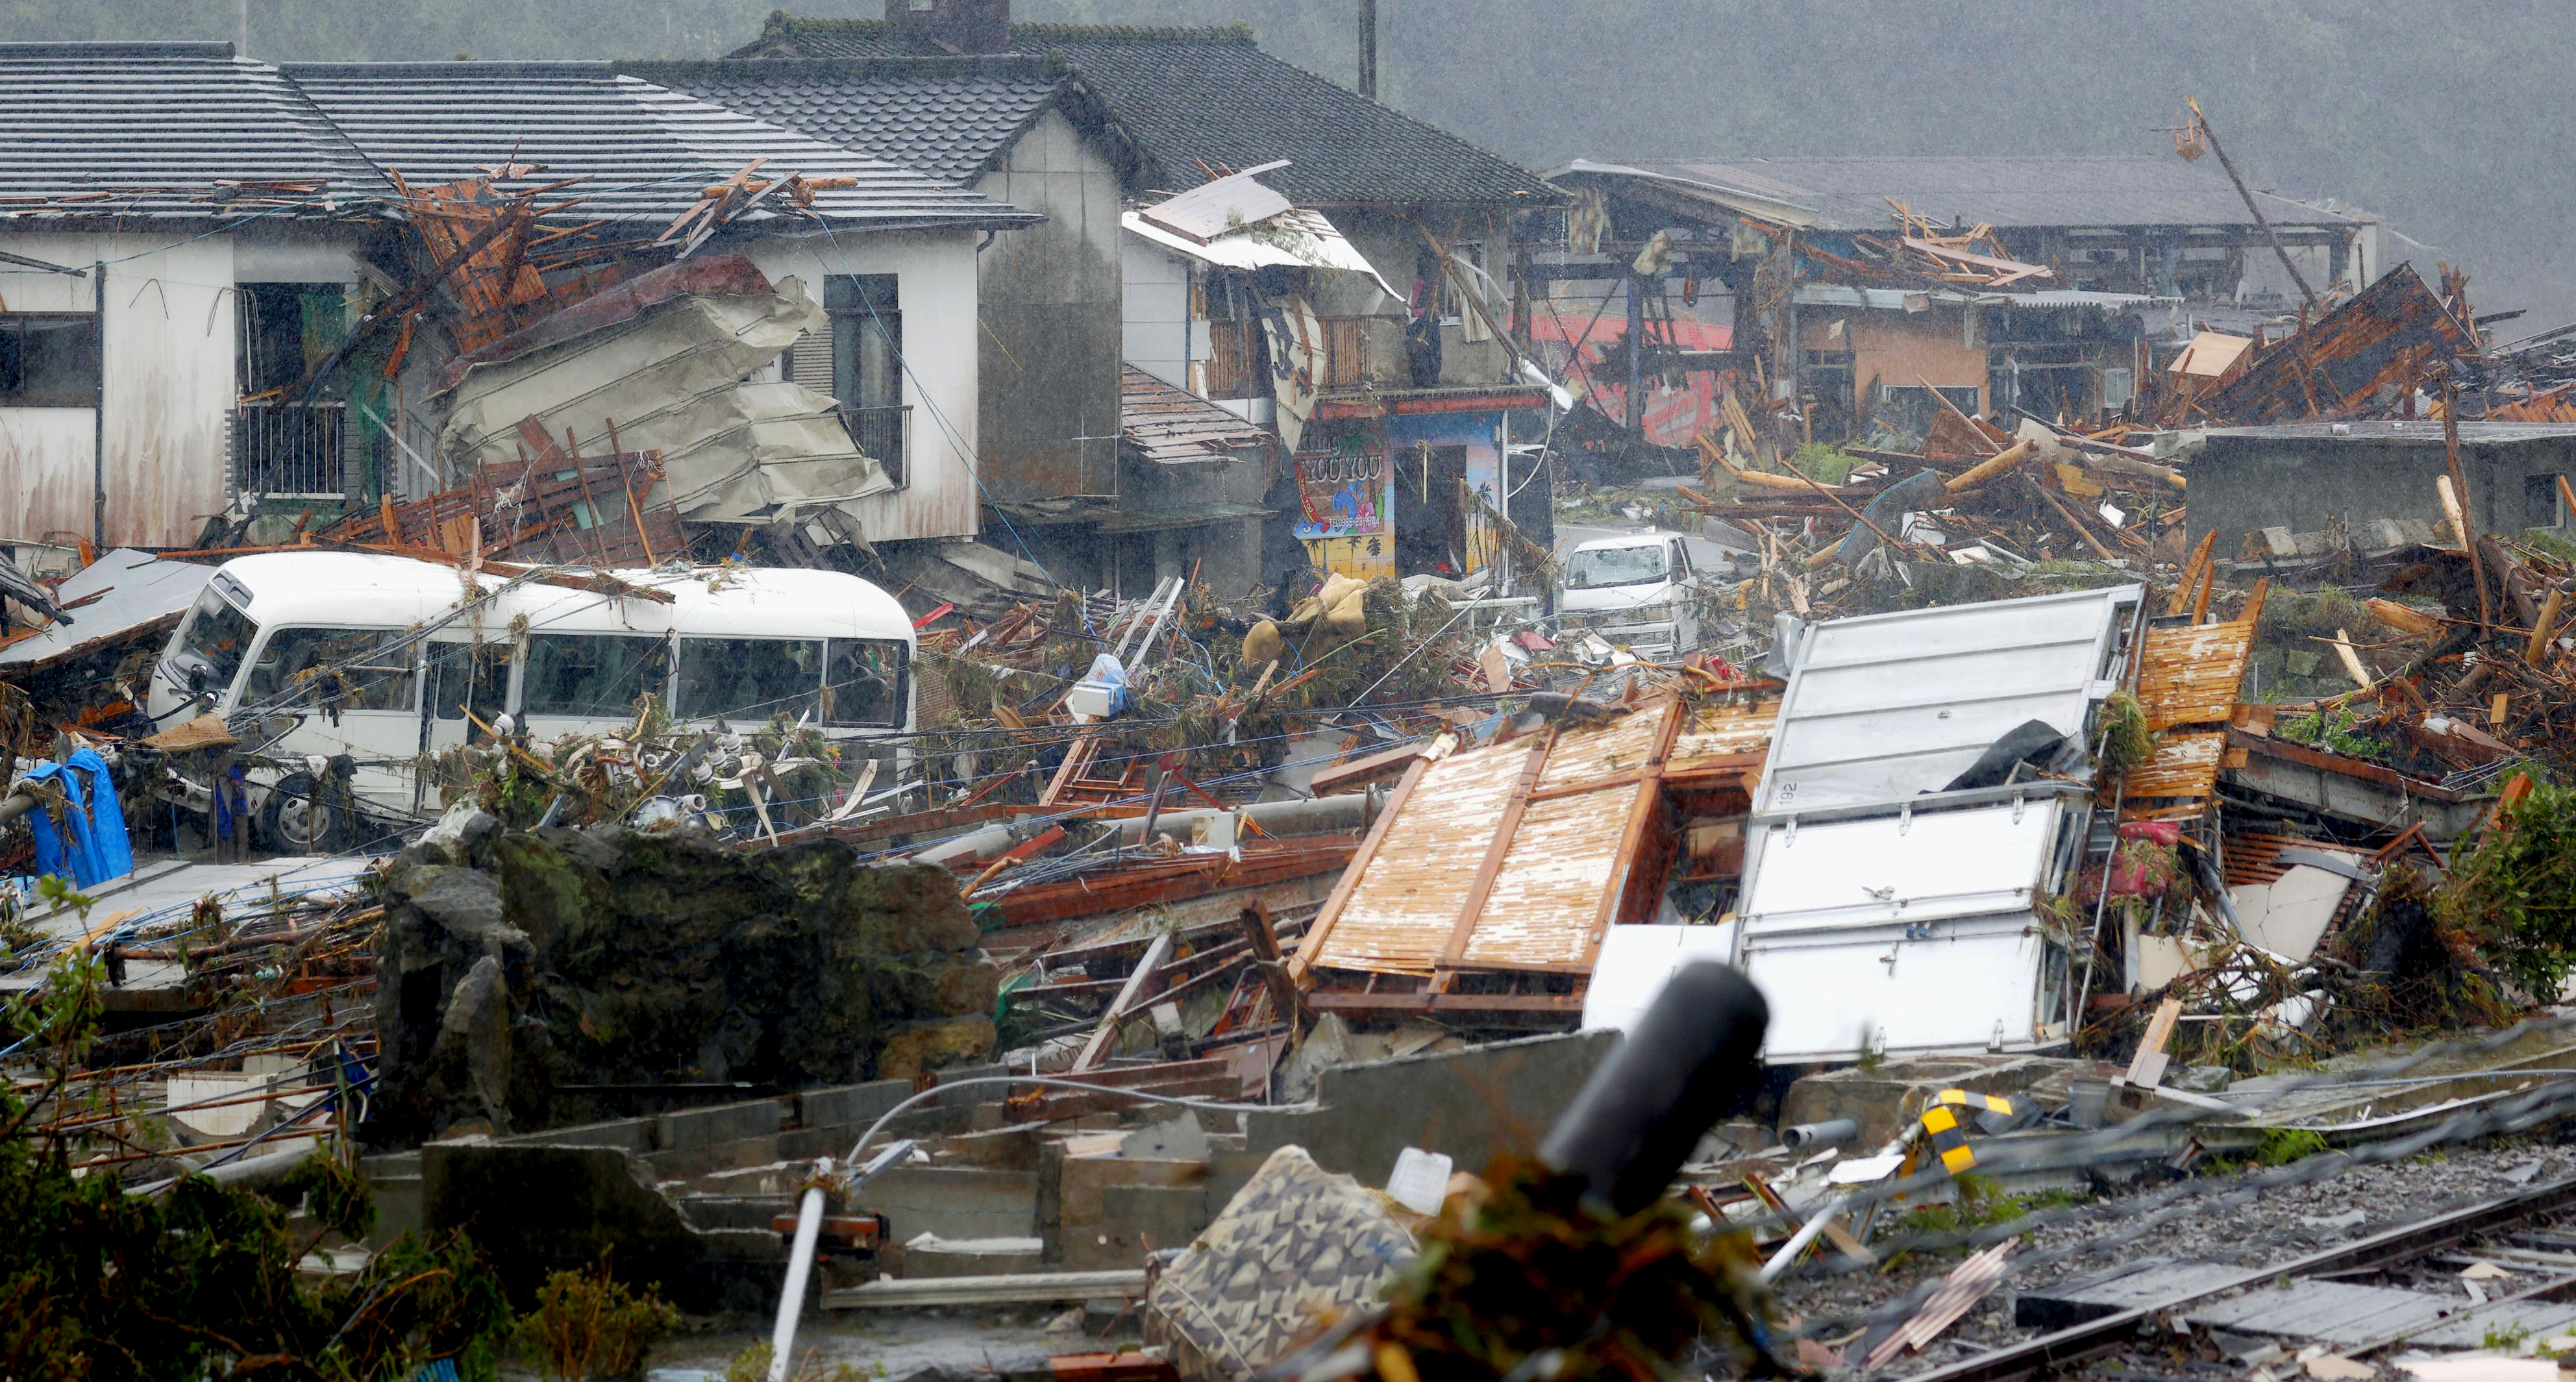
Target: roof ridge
1036,65
216,50
782,24
495,67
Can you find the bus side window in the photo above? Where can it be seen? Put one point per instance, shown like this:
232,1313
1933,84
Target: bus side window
344,669
749,679
593,676
864,684
469,676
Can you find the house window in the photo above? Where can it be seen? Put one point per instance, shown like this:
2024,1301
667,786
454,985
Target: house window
2541,506
286,330
48,359
867,364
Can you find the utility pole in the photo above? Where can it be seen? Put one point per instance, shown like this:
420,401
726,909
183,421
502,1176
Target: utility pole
1368,48
2200,125
241,32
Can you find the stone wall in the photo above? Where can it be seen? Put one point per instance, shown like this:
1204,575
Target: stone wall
518,963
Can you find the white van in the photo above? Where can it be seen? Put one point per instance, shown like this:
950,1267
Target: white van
1636,590
381,658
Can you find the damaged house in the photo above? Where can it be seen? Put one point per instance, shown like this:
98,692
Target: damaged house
1291,255
1873,291
362,283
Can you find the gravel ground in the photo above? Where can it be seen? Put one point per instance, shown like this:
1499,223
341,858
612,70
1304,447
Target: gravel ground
2272,1225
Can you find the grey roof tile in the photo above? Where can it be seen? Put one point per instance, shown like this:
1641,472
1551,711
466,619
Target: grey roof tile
1197,99
952,118
162,130
646,150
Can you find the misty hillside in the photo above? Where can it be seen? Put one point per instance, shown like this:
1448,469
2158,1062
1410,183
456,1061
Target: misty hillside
2452,122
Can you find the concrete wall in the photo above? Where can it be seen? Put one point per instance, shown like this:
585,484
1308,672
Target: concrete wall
2242,483
170,340
936,284
1227,556
1473,1105
1052,314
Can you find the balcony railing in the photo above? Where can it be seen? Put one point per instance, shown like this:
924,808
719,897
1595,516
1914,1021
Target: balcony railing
294,450
885,434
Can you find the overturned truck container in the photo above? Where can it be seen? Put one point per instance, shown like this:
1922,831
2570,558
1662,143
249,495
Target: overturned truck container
1929,798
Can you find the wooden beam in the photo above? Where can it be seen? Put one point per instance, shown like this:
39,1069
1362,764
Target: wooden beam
1272,965
2181,598
1303,962
1096,1049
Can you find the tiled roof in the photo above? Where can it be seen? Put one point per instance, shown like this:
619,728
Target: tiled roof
2002,190
1203,99
647,150
1175,427
950,117
163,130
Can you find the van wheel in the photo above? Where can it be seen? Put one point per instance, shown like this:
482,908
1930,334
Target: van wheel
305,816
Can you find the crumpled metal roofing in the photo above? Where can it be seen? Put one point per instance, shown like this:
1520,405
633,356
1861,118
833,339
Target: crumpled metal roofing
646,150
1883,707
1851,193
163,130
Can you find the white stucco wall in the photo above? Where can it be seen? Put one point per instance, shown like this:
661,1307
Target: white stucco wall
1157,312
935,283
170,338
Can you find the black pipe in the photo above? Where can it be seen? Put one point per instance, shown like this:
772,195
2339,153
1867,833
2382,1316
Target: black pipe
1694,1056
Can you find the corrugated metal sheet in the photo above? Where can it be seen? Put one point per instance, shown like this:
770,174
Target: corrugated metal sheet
1721,730
647,150
2191,675
165,130
1545,908
1567,857
1174,427
2004,191
1623,746
1887,706
1399,918
2185,766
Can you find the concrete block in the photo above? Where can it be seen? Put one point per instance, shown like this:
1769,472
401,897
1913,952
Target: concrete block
955,1202
536,1210
1085,1181
700,1128
1471,1105
620,1134
969,1257
1136,1220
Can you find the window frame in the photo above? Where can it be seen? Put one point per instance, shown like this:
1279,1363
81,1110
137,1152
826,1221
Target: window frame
902,685
14,324
525,673
305,696
687,713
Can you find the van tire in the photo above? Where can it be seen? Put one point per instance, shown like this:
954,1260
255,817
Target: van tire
303,815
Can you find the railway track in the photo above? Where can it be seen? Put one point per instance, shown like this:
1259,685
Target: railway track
2400,1286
